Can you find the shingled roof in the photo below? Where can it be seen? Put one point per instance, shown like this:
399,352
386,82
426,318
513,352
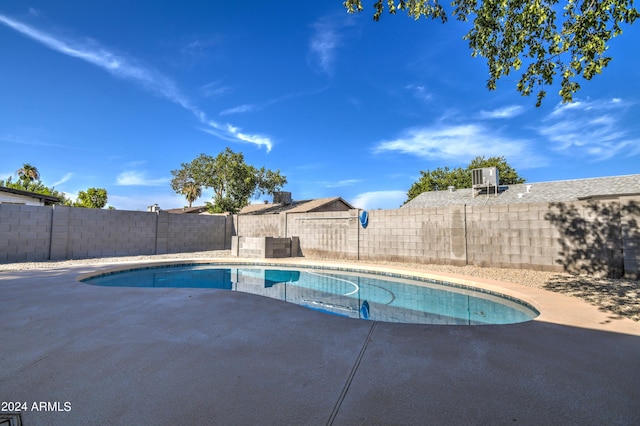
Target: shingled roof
304,206
540,192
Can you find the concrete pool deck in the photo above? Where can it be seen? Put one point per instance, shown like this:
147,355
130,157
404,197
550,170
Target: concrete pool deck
200,356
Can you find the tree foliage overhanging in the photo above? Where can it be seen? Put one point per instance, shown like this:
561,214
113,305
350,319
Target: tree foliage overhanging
233,181
545,39
443,177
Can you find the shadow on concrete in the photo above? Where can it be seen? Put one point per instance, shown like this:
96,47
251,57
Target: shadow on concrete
593,235
620,297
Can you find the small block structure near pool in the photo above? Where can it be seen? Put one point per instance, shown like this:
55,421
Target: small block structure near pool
265,247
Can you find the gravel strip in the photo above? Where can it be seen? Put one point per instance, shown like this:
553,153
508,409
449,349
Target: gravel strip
621,297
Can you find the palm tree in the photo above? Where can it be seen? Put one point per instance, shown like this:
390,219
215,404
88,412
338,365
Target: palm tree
28,173
191,191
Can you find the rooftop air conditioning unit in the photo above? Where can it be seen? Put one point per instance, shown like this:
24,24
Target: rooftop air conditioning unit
282,197
484,179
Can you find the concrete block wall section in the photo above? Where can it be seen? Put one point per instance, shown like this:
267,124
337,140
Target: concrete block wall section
630,232
598,237
512,236
326,234
415,235
33,233
190,232
277,247
24,233
104,233
260,225
595,237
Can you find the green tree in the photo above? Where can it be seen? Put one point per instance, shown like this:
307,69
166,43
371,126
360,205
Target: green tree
439,180
184,183
28,173
443,177
534,35
92,198
232,180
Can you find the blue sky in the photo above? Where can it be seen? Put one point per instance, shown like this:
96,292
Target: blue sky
116,94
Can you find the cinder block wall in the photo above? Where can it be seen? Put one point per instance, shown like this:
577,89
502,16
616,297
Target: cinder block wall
271,225
36,233
597,237
105,233
326,234
415,235
630,227
25,233
191,232
512,236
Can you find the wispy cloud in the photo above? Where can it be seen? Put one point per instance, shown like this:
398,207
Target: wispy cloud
214,89
342,183
135,178
22,140
323,45
128,69
232,133
63,179
590,129
459,144
419,92
506,112
244,108
379,199
325,40
239,109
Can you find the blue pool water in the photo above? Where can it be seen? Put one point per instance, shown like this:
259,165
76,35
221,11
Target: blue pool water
349,294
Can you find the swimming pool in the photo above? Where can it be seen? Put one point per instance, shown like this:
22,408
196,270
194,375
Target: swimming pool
395,298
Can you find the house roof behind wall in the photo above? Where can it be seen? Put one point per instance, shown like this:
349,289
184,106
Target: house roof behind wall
46,199
540,192
189,210
305,206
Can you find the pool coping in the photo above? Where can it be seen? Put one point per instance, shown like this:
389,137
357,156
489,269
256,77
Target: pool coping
553,307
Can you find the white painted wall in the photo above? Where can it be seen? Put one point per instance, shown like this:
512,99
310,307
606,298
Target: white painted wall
8,198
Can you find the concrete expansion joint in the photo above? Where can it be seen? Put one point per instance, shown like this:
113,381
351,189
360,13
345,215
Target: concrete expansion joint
352,374
28,364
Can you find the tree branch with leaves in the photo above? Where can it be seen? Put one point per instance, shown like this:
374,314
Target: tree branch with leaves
544,39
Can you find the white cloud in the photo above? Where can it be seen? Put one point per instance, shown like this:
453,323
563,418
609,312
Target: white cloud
239,109
379,199
115,64
232,133
134,178
342,183
213,89
125,68
323,45
64,179
590,129
325,40
460,143
420,92
506,112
